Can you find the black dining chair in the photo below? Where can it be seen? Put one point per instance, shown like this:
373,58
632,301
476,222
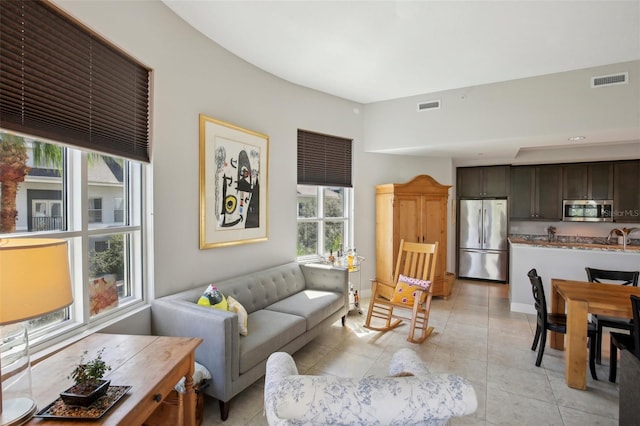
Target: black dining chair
625,341
554,322
612,277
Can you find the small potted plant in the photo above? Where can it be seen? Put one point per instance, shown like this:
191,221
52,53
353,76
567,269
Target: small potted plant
88,383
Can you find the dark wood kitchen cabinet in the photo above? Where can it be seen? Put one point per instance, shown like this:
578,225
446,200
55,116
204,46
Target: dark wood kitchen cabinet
587,181
492,181
626,191
536,192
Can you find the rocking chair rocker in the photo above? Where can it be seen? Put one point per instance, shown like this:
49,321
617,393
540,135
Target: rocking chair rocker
415,260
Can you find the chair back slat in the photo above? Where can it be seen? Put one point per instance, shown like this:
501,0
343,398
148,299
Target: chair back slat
540,301
613,277
635,307
416,260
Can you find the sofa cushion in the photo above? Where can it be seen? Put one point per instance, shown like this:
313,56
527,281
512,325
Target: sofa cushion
314,305
270,331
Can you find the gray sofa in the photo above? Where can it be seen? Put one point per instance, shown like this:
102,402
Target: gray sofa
287,306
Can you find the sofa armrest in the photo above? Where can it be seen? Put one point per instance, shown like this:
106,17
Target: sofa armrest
219,350
318,276
406,362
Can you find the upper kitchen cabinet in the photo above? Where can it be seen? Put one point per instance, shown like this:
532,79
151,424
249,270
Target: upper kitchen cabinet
415,211
483,181
588,181
626,191
536,193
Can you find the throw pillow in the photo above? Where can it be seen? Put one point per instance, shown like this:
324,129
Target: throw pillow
405,291
235,306
415,281
214,298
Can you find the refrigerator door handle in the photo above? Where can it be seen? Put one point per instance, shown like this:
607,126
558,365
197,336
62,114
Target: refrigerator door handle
484,228
479,226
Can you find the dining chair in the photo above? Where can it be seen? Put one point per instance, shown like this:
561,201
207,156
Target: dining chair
625,341
554,322
610,277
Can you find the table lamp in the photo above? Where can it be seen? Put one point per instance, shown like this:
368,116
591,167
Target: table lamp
34,281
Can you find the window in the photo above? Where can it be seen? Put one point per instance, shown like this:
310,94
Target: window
323,220
118,211
78,162
95,210
324,195
113,252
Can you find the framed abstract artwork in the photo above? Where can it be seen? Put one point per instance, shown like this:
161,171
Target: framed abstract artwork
233,184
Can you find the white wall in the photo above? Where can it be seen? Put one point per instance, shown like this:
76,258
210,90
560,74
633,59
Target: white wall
525,113
193,75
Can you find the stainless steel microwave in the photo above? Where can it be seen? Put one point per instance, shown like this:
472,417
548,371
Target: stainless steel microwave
587,210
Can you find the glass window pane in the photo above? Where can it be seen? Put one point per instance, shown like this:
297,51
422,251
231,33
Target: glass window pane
106,191
307,238
333,202
31,173
307,201
333,236
108,280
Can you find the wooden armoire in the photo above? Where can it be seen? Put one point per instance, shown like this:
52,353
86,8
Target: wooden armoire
414,211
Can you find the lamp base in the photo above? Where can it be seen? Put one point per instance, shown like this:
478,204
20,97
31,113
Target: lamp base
16,411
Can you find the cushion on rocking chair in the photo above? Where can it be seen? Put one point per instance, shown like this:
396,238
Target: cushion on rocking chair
405,291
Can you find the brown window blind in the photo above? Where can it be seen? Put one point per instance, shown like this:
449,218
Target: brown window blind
60,81
323,159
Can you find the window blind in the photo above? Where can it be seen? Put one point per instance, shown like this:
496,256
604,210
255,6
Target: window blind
60,81
324,160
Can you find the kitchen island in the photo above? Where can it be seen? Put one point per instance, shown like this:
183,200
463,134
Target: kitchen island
560,259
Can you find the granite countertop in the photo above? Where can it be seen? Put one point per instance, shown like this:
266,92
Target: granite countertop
582,245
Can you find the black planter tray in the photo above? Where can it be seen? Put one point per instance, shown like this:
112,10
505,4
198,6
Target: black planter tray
59,410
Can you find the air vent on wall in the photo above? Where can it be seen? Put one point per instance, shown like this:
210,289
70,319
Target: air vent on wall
424,106
610,80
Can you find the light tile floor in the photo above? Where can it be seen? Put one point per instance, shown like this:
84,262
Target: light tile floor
475,336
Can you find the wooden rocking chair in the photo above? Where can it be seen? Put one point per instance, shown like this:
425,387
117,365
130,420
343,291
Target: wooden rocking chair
415,260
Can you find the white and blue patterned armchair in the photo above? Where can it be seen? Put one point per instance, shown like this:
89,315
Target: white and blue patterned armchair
411,396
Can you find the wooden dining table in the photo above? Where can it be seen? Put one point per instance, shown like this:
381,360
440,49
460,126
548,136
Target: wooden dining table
577,299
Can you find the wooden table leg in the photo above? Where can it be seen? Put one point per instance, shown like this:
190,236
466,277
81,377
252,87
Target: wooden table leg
189,395
576,355
556,340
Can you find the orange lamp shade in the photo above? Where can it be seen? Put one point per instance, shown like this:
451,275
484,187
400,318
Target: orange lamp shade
34,278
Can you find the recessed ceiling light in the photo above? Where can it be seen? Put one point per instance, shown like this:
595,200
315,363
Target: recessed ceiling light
577,138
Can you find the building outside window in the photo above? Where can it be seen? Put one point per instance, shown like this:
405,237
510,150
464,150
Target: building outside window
105,250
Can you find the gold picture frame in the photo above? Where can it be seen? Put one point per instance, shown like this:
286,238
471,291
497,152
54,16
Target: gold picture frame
233,184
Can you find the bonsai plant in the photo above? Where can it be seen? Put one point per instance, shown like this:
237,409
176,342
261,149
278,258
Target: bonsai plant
88,383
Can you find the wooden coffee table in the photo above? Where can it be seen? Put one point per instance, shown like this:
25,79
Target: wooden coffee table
151,365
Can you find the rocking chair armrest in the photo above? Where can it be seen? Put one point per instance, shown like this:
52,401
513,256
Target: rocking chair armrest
379,288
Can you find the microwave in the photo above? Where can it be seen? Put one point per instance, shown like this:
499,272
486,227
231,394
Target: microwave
587,210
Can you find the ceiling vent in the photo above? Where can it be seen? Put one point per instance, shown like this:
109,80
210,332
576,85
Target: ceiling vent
610,80
424,106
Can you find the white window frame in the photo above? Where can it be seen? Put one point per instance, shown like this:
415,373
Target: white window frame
321,220
75,210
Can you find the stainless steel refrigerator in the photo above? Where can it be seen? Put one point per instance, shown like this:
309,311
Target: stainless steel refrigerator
483,246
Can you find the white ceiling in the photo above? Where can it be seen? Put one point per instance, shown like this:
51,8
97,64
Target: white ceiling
370,51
